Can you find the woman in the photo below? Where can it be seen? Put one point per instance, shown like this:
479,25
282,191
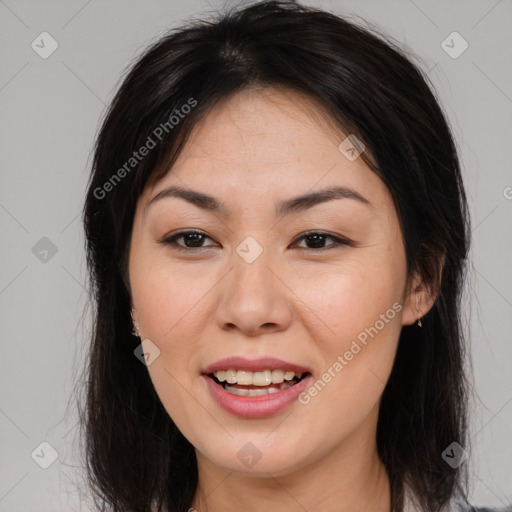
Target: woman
267,212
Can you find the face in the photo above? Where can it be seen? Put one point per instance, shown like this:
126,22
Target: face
274,324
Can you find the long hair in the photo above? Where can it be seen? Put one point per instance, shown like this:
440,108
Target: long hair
135,455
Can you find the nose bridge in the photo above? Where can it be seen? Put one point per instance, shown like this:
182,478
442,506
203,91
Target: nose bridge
251,262
252,296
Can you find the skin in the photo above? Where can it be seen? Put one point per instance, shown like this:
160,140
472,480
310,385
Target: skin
301,305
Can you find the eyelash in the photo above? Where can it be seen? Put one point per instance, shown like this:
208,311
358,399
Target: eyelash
171,241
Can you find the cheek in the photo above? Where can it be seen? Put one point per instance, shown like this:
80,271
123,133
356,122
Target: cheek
172,309
350,296
356,327
172,300
172,304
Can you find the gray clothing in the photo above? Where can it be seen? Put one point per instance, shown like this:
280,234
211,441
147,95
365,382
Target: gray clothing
469,508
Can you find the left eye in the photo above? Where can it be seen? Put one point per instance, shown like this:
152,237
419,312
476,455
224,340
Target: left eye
195,239
318,238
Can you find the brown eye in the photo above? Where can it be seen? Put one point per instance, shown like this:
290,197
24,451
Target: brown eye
316,240
191,240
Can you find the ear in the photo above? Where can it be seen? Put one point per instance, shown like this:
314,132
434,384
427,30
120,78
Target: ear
418,300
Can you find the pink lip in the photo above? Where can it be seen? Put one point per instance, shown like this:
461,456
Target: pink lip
256,406
254,365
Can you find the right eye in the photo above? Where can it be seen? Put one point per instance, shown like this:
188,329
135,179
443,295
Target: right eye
192,240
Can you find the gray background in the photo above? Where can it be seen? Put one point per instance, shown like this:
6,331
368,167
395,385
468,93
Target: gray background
49,113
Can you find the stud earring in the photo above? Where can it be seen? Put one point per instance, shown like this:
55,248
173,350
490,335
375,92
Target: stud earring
135,330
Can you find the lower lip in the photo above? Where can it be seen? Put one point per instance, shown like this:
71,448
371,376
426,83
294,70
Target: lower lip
255,406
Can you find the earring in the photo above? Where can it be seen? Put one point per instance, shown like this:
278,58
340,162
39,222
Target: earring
135,330
419,319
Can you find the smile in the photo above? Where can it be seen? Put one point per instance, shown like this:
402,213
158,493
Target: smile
255,388
252,384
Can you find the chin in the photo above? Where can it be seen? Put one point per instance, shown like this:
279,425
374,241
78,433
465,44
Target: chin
254,455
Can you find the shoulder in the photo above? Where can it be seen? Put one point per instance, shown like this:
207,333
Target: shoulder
503,509
469,508
455,505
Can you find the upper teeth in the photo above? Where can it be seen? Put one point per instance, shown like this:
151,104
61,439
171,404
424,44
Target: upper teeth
262,378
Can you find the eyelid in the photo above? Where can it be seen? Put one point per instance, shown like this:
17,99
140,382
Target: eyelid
338,240
171,240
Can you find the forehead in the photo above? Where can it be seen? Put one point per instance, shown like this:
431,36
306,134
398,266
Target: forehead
265,142
281,118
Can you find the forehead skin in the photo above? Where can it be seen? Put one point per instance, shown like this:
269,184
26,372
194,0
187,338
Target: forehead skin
238,145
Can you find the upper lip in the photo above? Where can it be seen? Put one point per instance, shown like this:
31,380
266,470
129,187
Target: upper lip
254,365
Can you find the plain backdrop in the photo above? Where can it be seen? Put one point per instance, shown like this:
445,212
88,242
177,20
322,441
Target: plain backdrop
50,109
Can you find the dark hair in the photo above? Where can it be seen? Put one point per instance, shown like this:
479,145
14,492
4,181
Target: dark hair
370,87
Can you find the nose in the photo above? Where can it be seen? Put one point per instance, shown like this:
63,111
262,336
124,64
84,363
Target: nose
254,297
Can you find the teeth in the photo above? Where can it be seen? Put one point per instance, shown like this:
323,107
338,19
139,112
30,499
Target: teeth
231,376
244,378
277,376
257,392
261,378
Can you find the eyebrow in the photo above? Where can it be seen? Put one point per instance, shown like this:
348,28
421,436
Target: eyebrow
286,207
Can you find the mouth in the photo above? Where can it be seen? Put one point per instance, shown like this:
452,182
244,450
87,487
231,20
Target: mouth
255,388
259,383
